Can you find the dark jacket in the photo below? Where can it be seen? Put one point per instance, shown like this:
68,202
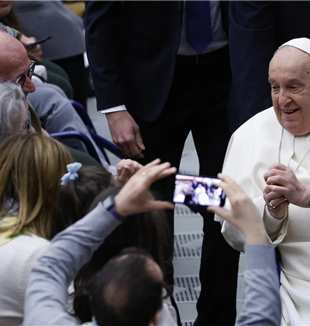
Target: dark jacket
132,48
256,30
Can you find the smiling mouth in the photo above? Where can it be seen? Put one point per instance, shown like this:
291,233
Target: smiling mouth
289,111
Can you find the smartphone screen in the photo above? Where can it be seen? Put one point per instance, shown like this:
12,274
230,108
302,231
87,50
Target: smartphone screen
198,191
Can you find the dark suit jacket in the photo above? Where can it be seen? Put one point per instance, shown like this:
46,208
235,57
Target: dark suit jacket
256,30
132,46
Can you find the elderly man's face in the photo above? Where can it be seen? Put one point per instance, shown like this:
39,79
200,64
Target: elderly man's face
17,64
289,77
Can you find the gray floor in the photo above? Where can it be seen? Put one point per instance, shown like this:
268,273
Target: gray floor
188,233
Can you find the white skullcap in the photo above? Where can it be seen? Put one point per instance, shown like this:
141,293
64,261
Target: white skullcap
302,44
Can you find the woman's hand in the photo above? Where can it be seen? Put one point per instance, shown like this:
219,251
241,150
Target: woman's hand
243,214
283,188
34,53
134,198
125,169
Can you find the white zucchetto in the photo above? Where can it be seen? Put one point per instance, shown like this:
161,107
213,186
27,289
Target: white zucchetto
302,44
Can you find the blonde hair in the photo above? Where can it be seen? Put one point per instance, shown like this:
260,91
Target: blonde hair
31,167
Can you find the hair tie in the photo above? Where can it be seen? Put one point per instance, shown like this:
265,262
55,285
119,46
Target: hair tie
71,175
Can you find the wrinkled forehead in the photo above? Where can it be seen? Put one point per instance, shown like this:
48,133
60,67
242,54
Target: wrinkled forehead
290,59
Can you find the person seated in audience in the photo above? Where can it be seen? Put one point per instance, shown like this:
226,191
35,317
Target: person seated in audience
127,283
67,45
269,156
82,185
31,166
9,23
78,194
50,103
30,170
15,117
46,295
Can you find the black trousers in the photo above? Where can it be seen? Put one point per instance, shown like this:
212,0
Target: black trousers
198,102
74,67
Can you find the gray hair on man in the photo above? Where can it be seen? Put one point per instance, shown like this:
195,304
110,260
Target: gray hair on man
13,109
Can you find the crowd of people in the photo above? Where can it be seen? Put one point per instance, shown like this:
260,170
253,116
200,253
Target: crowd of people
80,245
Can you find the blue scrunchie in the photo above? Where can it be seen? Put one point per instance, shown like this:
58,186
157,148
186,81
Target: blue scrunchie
71,175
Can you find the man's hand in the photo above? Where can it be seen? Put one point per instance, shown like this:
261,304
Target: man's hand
134,197
126,133
283,188
243,214
125,169
276,203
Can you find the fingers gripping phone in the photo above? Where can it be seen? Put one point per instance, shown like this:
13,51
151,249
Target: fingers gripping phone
33,45
193,190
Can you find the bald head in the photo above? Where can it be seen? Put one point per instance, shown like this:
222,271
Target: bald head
12,55
128,290
12,50
14,61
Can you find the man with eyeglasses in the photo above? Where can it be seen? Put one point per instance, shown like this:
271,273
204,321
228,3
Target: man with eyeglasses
48,103
22,78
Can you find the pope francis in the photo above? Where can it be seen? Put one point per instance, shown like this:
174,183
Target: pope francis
269,156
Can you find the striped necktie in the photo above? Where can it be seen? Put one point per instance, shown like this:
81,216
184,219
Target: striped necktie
198,24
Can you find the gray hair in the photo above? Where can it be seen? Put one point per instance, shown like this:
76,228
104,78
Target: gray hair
12,103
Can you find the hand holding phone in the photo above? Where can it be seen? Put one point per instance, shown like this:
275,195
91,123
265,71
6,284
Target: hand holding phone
30,46
193,190
243,214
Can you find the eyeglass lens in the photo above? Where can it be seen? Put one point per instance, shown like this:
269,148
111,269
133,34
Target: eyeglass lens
21,80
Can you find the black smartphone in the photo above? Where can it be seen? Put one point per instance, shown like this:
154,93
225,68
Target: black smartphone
194,190
32,45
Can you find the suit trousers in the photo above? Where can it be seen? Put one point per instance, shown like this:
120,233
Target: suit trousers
197,102
74,67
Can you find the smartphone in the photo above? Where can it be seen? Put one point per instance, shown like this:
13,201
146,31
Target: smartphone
32,45
194,190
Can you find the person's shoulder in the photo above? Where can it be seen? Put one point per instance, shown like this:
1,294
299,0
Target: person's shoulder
47,93
22,251
28,246
261,120
31,240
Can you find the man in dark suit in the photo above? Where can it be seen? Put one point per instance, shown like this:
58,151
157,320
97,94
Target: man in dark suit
160,70
256,30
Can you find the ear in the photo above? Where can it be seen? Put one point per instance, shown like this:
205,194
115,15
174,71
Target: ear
154,319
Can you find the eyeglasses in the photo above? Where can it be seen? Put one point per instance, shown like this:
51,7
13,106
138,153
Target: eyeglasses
21,79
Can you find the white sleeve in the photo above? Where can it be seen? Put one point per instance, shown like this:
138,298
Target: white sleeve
276,228
114,109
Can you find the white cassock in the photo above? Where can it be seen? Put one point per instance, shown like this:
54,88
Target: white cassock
251,151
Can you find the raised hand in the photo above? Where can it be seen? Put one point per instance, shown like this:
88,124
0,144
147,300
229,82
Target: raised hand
125,169
134,197
243,213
